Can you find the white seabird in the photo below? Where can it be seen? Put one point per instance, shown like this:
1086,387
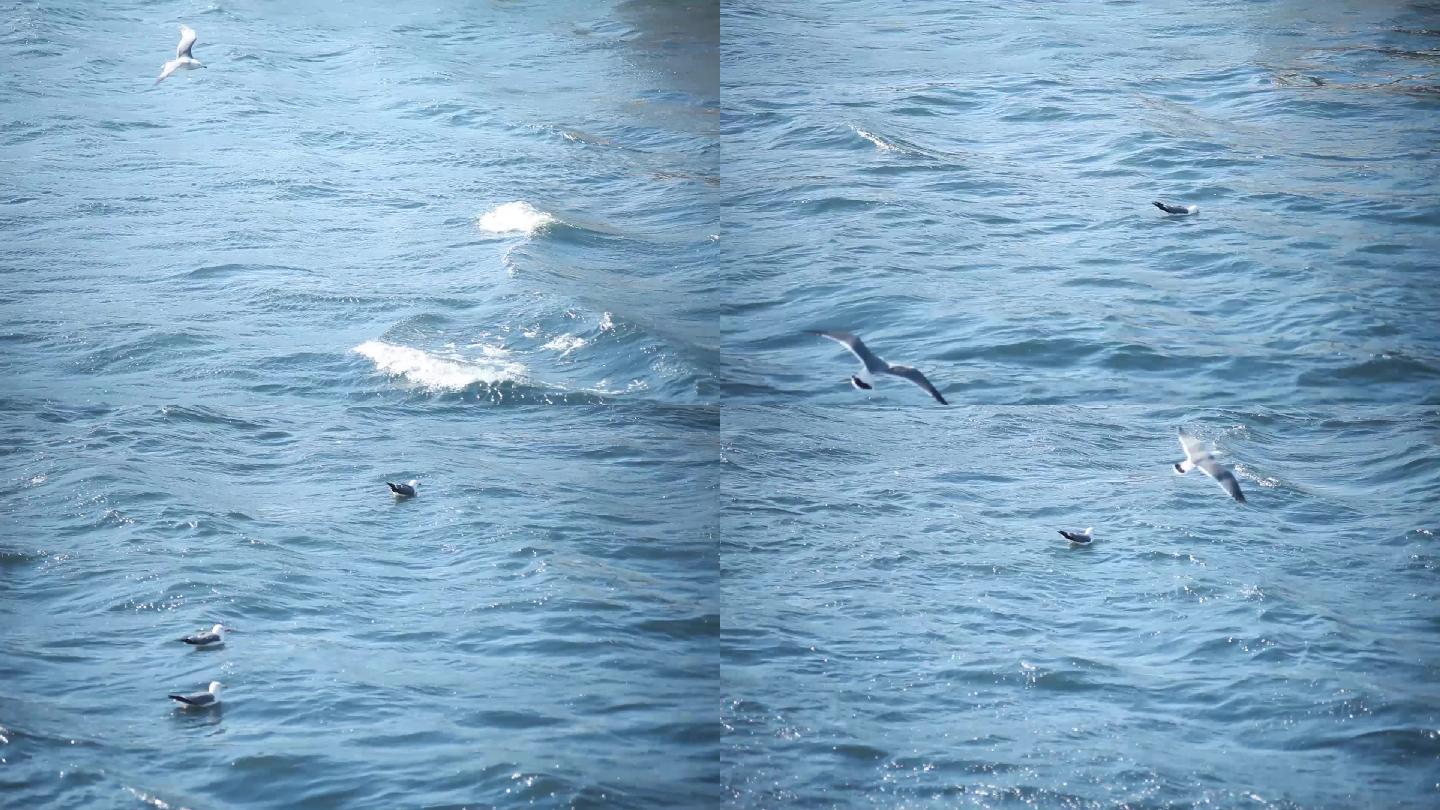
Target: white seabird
200,700
1084,538
1176,209
183,60
405,490
1198,456
874,365
214,637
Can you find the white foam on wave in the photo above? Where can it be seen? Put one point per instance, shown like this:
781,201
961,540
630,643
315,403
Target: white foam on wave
880,143
514,217
152,800
436,373
565,344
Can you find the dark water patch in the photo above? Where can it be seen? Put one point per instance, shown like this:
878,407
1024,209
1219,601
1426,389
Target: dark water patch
1040,352
141,353
243,271
1385,368
202,415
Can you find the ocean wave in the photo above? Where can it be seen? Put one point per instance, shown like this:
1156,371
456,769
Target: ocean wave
900,146
565,344
435,373
514,217
879,142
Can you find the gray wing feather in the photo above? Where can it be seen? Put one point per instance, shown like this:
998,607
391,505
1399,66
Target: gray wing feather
197,699
1223,477
187,41
872,364
914,375
201,638
1193,449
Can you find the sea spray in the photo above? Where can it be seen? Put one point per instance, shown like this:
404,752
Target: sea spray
514,217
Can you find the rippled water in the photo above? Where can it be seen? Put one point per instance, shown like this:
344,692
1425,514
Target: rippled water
664,554
903,625
972,186
969,187
370,241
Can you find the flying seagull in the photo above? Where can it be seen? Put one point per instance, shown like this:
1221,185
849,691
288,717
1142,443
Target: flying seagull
1176,209
1198,456
183,60
1084,538
405,490
874,366
214,637
200,700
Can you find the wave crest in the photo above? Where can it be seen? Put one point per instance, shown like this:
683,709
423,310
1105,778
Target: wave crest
879,142
434,373
514,217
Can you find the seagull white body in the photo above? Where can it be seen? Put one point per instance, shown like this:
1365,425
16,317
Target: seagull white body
872,365
1181,210
409,489
214,637
1084,538
1197,456
183,60
208,699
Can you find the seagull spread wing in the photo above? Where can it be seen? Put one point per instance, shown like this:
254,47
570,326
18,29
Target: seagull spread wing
872,364
1193,448
914,375
1223,477
187,41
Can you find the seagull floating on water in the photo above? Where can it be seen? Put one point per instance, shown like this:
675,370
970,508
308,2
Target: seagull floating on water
1198,456
1084,538
208,699
874,366
214,637
1176,209
183,60
405,490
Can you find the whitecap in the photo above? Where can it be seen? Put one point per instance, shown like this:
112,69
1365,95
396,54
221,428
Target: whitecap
880,143
565,344
514,217
435,373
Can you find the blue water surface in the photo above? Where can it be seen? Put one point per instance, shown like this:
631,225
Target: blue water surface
466,243
557,260
969,186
